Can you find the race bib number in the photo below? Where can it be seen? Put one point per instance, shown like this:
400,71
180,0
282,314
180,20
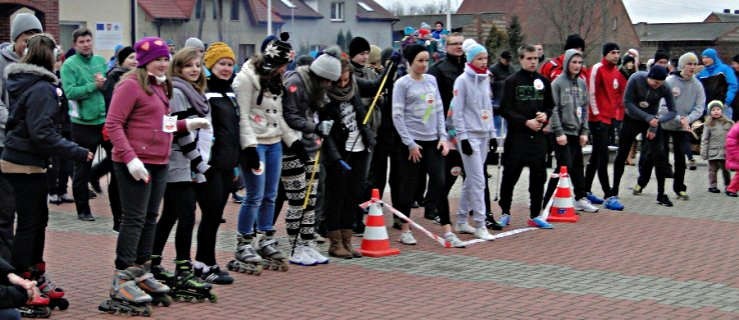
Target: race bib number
169,124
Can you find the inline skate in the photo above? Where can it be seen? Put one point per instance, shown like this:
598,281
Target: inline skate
272,258
155,288
188,287
247,260
47,287
125,295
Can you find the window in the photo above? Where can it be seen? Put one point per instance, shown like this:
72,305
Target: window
288,4
337,11
235,9
365,6
615,24
198,7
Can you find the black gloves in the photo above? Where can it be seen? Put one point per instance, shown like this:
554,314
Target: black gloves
466,147
298,150
251,158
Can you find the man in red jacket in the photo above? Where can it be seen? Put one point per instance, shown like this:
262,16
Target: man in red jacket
606,89
553,67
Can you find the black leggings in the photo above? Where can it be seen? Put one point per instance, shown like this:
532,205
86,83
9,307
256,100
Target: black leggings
433,162
598,158
344,193
211,196
33,216
679,148
570,156
514,160
178,207
88,137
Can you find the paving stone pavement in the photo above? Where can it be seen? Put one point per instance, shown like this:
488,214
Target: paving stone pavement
648,262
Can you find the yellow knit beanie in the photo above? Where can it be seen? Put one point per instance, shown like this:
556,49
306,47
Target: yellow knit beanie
217,51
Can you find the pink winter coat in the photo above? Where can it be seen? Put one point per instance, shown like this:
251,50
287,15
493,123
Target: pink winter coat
732,148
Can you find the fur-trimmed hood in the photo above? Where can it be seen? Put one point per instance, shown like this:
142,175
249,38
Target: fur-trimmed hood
22,75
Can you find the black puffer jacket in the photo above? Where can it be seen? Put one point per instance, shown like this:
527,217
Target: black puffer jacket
225,120
31,134
333,146
446,72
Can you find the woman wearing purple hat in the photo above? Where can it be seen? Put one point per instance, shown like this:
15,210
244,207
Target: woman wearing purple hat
140,128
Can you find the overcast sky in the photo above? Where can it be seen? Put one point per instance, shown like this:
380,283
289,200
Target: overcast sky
651,11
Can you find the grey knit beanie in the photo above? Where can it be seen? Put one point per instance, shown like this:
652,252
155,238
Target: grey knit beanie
24,22
327,65
194,43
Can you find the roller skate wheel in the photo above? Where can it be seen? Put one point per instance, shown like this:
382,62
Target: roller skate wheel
61,304
213,298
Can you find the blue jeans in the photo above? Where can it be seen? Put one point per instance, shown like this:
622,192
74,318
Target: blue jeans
9,314
261,190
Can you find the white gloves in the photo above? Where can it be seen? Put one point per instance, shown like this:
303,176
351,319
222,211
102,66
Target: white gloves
197,123
137,170
324,128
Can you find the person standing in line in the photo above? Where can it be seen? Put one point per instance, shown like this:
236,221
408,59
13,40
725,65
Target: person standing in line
605,88
471,113
222,157
526,105
570,127
714,66
304,98
31,138
141,129
713,144
83,80
418,116
690,103
187,165
346,152
642,99
23,26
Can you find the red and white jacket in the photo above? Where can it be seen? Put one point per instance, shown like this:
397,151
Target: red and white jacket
606,87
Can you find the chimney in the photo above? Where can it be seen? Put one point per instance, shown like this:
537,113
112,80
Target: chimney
727,10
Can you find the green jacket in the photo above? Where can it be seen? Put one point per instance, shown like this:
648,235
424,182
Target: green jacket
86,101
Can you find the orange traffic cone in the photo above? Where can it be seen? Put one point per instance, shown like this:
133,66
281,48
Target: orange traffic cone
375,242
563,206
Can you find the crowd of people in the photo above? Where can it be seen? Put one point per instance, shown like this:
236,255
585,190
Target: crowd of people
178,128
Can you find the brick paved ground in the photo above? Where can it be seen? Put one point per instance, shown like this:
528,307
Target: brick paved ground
648,262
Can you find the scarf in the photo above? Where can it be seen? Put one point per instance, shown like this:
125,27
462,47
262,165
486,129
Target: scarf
219,85
196,99
273,83
343,94
478,70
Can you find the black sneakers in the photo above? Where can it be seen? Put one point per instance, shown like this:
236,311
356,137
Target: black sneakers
663,200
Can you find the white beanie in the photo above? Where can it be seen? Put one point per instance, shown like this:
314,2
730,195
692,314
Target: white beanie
24,22
327,65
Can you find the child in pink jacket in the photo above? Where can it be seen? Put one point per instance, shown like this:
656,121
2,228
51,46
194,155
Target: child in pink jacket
732,159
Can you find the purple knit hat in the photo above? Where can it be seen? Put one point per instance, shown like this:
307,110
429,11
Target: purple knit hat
149,49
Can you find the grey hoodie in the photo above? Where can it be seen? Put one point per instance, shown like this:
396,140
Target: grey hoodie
471,109
690,101
7,56
570,113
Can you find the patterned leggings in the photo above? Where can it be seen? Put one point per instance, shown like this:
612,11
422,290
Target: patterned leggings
295,177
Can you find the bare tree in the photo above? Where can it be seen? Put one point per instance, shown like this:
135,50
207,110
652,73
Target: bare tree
201,4
566,17
397,8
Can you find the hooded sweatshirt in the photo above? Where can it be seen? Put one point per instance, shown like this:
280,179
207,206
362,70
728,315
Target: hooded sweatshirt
7,56
690,100
570,113
642,102
32,135
471,109
718,67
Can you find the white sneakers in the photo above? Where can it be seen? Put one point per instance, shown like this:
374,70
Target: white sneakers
407,238
465,228
313,253
302,256
454,240
482,233
585,205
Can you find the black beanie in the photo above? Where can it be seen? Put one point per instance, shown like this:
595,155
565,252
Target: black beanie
123,54
410,52
626,59
608,47
357,46
575,41
659,55
657,72
277,52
